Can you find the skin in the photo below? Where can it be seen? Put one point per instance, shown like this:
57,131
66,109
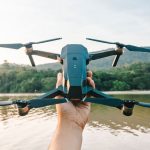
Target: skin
72,118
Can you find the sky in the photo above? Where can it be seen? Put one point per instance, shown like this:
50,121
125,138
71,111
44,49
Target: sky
22,21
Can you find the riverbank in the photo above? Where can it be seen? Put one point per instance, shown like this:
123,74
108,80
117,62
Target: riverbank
135,92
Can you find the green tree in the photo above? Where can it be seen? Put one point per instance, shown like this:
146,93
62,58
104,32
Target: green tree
120,86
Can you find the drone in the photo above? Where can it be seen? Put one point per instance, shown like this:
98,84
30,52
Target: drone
74,59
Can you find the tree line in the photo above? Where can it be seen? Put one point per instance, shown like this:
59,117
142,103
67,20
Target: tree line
16,78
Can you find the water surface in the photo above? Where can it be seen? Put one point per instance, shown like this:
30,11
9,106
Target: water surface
107,129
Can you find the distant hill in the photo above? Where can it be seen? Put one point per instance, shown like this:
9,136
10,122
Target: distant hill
126,59
53,66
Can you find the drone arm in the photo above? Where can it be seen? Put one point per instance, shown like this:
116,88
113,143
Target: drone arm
47,96
102,54
24,106
45,54
6,103
125,105
98,94
47,99
37,103
143,104
44,100
34,103
53,93
113,102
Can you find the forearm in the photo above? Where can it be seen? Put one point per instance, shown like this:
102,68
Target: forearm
68,135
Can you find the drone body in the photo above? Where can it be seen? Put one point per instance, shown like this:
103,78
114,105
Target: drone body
74,59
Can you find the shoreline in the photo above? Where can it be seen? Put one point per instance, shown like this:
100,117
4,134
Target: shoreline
134,92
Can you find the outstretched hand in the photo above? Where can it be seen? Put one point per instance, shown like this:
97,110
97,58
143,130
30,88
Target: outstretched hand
77,112
72,118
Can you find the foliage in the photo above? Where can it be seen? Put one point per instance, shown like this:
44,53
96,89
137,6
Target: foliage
129,77
16,78
25,79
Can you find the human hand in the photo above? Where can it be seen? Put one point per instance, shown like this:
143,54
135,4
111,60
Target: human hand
72,118
77,112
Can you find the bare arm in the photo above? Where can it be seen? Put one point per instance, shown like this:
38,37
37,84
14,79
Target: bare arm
72,119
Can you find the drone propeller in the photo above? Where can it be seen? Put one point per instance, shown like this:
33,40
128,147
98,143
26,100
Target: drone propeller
28,47
129,47
143,104
120,46
13,46
6,103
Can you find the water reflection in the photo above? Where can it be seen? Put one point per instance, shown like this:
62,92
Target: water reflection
103,120
101,116
9,112
112,118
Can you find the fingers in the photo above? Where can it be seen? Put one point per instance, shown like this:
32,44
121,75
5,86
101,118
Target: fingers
90,82
58,83
89,79
89,74
59,79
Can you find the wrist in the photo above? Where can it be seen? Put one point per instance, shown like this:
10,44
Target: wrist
68,125
67,134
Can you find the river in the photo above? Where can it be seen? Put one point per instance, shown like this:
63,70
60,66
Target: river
107,129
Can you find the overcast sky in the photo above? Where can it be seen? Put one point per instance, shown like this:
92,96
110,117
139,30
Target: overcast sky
73,20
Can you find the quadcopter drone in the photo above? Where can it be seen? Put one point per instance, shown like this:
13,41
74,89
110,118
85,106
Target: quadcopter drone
74,59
